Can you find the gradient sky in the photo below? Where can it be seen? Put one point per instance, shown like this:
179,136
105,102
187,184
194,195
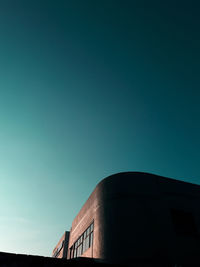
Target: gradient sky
88,89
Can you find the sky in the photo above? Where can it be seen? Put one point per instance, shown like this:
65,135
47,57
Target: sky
88,89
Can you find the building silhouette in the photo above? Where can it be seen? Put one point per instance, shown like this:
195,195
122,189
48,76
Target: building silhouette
136,217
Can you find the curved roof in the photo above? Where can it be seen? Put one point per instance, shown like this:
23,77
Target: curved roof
135,184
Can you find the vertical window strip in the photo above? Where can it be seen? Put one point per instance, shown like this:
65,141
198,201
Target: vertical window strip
84,242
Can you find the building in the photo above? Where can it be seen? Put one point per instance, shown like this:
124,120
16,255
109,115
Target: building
133,216
60,251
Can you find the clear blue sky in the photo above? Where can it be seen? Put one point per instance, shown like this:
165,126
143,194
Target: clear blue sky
88,89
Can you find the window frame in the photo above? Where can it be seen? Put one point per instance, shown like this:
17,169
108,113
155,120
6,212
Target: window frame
81,245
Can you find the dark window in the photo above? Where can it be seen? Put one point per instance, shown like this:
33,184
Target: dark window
87,243
58,250
91,227
83,243
88,231
75,251
81,248
91,239
184,223
78,252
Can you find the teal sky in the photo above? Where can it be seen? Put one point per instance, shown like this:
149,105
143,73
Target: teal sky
88,89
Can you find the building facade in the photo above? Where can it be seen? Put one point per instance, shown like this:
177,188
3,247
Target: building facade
137,216
61,249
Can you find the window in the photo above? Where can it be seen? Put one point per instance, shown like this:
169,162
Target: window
91,238
84,242
58,250
92,226
184,223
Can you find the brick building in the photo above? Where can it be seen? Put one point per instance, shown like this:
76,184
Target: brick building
60,251
137,216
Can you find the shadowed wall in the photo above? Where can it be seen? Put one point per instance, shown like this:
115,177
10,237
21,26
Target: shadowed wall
141,216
